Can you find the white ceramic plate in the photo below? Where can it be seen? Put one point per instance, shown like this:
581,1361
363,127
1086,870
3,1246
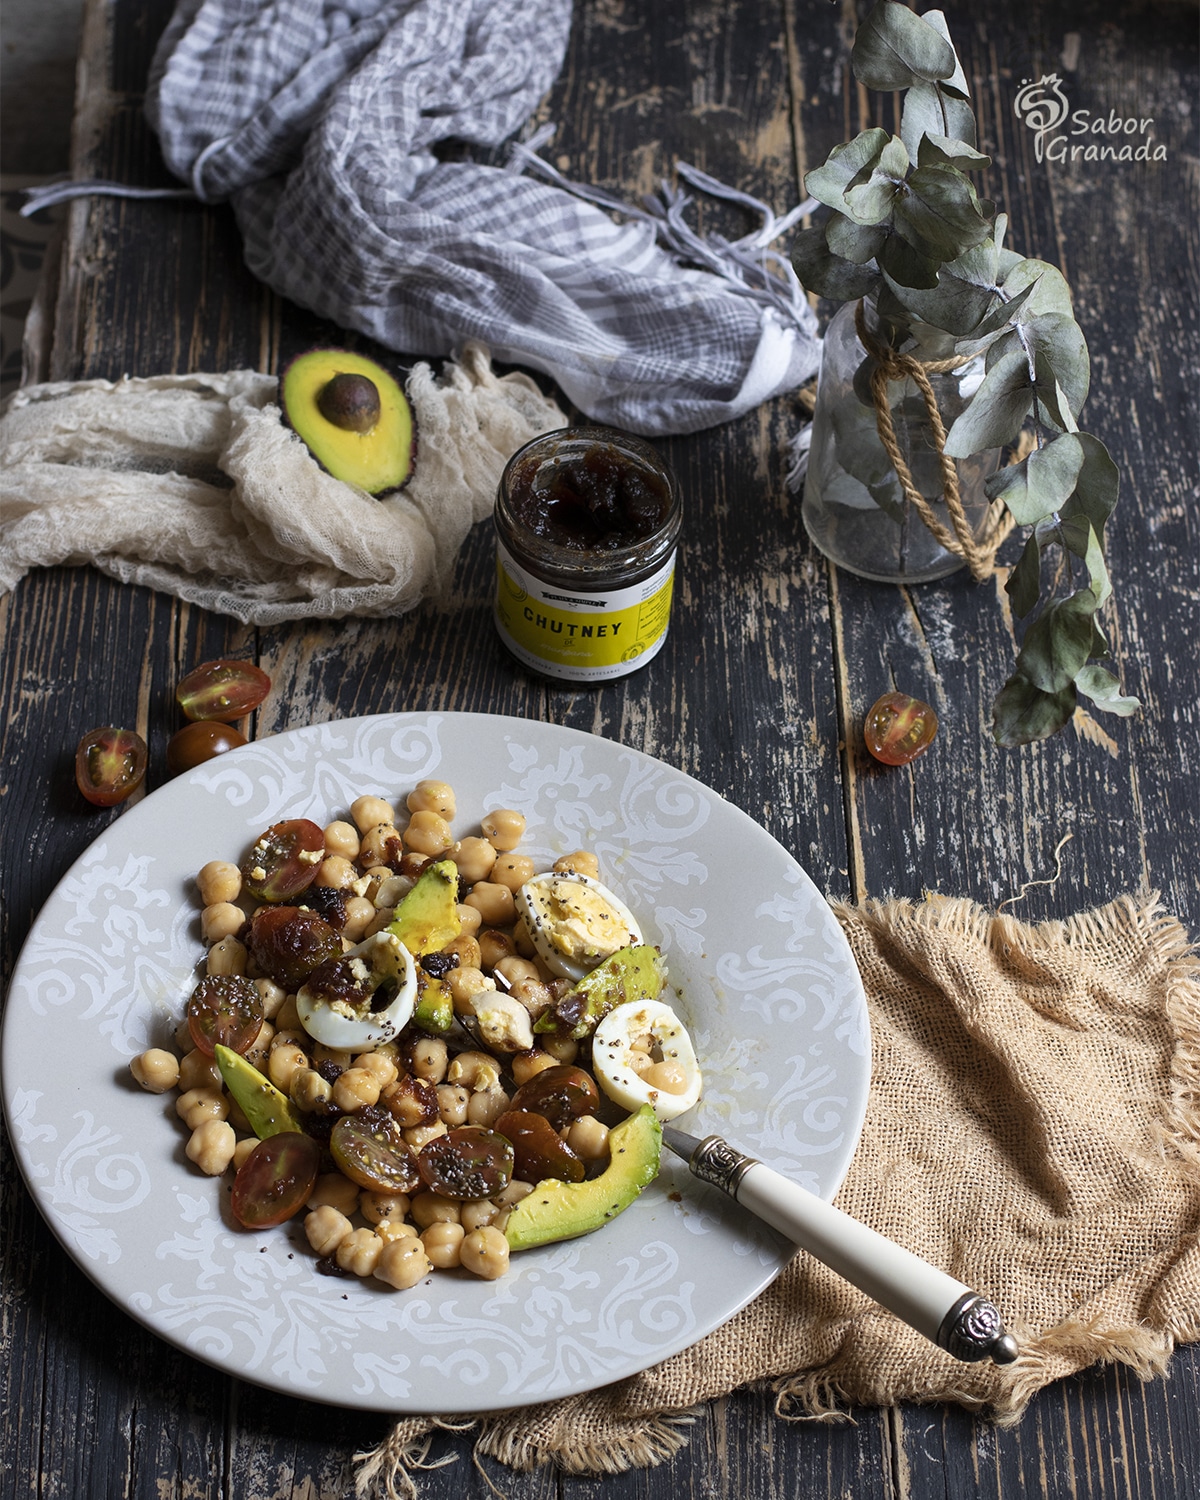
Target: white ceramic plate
769,990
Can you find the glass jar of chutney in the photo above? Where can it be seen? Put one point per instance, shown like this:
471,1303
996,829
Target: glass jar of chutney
587,521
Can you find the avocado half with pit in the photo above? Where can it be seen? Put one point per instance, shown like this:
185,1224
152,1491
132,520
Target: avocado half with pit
353,416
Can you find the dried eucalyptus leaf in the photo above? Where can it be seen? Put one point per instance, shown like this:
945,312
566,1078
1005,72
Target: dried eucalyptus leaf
929,110
858,243
997,409
827,274
1053,295
1041,484
955,306
894,159
941,151
958,79
939,214
894,49
1098,684
1023,713
871,203
1080,537
1052,407
1058,342
1025,580
1003,314
904,265
828,183
1059,642
1096,485
1006,344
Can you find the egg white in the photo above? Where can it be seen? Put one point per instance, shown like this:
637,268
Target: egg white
384,954
612,1047
552,956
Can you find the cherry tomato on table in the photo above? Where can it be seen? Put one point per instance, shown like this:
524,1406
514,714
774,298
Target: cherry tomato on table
109,765
196,743
898,728
222,690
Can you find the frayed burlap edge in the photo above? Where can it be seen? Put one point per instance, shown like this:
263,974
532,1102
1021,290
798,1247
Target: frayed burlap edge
645,1439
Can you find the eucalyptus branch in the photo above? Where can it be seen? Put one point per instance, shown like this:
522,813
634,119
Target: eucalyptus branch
907,230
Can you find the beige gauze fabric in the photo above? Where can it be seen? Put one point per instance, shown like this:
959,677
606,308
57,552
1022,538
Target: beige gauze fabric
1033,1128
194,484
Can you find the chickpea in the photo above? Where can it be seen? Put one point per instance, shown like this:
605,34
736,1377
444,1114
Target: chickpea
503,828
359,915
338,1057
563,1049
512,870
442,1243
218,881
336,873
342,839
428,834
226,957
526,1065
284,1062
242,1151
272,996
183,1035
200,1104
588,1138
380,1065
308,1091
513,1193
197,1070
326,1228
533,994
639,1062
393,1229
486,1107
668,1076
403,1263
474,1070
378,1208
335,1191
476,1215
359,1252
494,903
417,1136
237,1118
288,1017
432,1208
221,920
469,920
368,812
485,1252
156,1070
523,939
211,1146
452,1103
429,1058
256,1054
514,968
474,858
465,949
581,862
464,985
354,1089
381,845
432,796
494,946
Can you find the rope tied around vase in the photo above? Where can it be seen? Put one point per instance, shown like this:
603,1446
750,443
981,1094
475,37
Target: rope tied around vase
978,552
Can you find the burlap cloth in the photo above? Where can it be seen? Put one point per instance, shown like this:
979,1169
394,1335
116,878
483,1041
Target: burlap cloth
1033,1128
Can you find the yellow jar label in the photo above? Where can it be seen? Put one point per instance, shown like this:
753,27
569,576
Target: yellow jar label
581,637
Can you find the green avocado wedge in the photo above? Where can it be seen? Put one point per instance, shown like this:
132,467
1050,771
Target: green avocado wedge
630,974
427,918
268,1111
564,1210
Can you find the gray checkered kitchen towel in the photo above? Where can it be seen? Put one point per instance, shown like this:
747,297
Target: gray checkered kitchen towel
320,122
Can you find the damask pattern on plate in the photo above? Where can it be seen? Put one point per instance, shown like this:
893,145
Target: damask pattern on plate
761,974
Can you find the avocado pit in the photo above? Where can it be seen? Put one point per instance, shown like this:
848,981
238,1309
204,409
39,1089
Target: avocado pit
353,417
350,402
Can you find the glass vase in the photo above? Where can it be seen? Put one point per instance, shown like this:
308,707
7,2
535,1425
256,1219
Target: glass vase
854,506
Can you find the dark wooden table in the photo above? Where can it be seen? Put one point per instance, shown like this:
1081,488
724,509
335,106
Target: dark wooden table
772,659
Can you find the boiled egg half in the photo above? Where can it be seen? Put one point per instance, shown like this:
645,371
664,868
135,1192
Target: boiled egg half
574,922
642,1054
335,1002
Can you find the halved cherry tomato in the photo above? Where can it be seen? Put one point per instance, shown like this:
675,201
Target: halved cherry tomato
276,1180
539,1149
109,765
195,743
371,1150
561,1094
284,860
898,728
288,943
225,1008
466,1164
222,690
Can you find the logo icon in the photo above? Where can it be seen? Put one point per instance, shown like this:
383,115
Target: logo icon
1043,107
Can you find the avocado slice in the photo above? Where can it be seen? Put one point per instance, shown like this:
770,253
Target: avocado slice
268,1111
425,921
353,416
563,1210
636,973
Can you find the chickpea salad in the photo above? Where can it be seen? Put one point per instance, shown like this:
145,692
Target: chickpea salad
427,1048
